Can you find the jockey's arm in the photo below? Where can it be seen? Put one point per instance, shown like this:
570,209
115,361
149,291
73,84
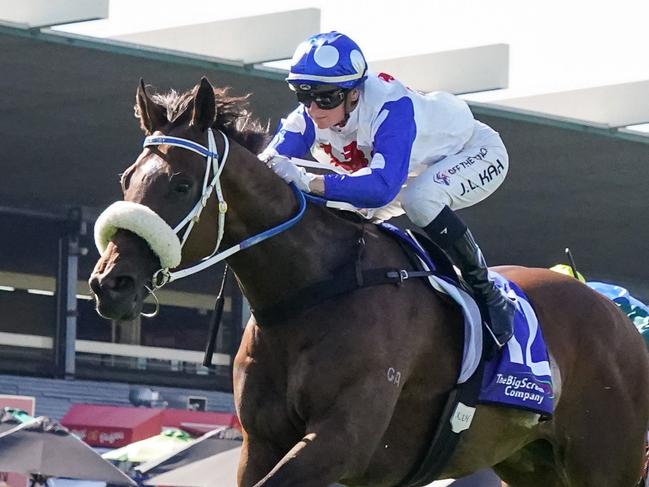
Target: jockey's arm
294,137
379,183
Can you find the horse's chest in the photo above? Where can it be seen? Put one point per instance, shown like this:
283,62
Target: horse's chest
268,418
263,406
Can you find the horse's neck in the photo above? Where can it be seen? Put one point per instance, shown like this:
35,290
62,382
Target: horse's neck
259,200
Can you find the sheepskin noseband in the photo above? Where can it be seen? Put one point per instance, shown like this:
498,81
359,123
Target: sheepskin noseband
146,224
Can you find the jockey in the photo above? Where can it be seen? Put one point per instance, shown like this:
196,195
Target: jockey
403,151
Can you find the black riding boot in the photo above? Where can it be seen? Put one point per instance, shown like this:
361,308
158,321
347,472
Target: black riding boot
452,235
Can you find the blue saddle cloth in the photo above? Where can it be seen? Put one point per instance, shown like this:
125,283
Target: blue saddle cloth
520,375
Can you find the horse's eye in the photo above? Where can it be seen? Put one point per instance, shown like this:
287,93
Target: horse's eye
182,188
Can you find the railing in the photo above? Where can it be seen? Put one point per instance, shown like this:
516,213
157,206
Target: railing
117,349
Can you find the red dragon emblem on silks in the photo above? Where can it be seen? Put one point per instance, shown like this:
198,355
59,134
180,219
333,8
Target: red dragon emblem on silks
354,158
386,77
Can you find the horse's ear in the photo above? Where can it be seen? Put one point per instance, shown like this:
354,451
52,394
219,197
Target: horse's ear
204,111
152,115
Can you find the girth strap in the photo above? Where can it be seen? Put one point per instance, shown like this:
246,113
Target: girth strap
348,279
459,408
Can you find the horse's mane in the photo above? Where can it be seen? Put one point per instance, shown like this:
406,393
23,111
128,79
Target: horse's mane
232,116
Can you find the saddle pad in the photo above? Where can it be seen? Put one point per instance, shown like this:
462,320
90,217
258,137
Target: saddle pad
444,284
520,376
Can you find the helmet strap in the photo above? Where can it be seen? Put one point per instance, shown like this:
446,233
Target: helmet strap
348,112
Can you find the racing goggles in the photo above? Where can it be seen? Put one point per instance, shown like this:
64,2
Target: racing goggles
325,100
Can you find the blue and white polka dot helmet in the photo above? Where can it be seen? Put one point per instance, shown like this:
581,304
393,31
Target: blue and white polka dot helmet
329,58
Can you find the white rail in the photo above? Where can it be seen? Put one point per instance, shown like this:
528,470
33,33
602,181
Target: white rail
119,349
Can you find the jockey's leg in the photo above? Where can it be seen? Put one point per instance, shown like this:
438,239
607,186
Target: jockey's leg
457,182
451,234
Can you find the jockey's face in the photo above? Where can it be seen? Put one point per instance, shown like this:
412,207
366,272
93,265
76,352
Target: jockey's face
325,119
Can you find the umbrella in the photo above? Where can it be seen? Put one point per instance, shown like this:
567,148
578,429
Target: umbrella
44,448
208,445
151,448
10,417
482,478
219,470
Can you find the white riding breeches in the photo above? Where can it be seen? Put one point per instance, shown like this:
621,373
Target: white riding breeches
457,181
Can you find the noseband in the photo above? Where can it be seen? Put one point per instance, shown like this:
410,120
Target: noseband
163,240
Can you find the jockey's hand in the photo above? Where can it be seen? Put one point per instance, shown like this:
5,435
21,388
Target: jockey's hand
291,173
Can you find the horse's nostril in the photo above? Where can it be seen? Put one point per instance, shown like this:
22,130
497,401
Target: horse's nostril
112,285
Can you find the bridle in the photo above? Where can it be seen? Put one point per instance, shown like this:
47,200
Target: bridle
164,275
147,222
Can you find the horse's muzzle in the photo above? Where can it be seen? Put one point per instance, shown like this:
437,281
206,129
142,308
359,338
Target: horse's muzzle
116,295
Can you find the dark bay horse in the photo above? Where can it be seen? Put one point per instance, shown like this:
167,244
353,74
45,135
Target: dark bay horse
314,393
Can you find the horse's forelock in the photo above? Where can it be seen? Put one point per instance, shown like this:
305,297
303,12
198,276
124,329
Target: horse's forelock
232,115
174,102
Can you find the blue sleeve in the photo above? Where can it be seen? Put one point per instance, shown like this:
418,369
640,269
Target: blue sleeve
295,135
379,184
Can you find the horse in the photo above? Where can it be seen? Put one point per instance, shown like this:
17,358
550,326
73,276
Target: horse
313,389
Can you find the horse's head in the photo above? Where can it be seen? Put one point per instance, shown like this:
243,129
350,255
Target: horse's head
164,194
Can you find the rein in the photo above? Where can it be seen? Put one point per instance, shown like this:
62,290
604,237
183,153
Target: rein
166,243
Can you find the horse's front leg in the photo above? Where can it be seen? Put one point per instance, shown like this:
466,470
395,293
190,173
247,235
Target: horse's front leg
336,446
317,460
256,460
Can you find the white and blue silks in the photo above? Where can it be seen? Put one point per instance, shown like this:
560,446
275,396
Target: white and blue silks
393,133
